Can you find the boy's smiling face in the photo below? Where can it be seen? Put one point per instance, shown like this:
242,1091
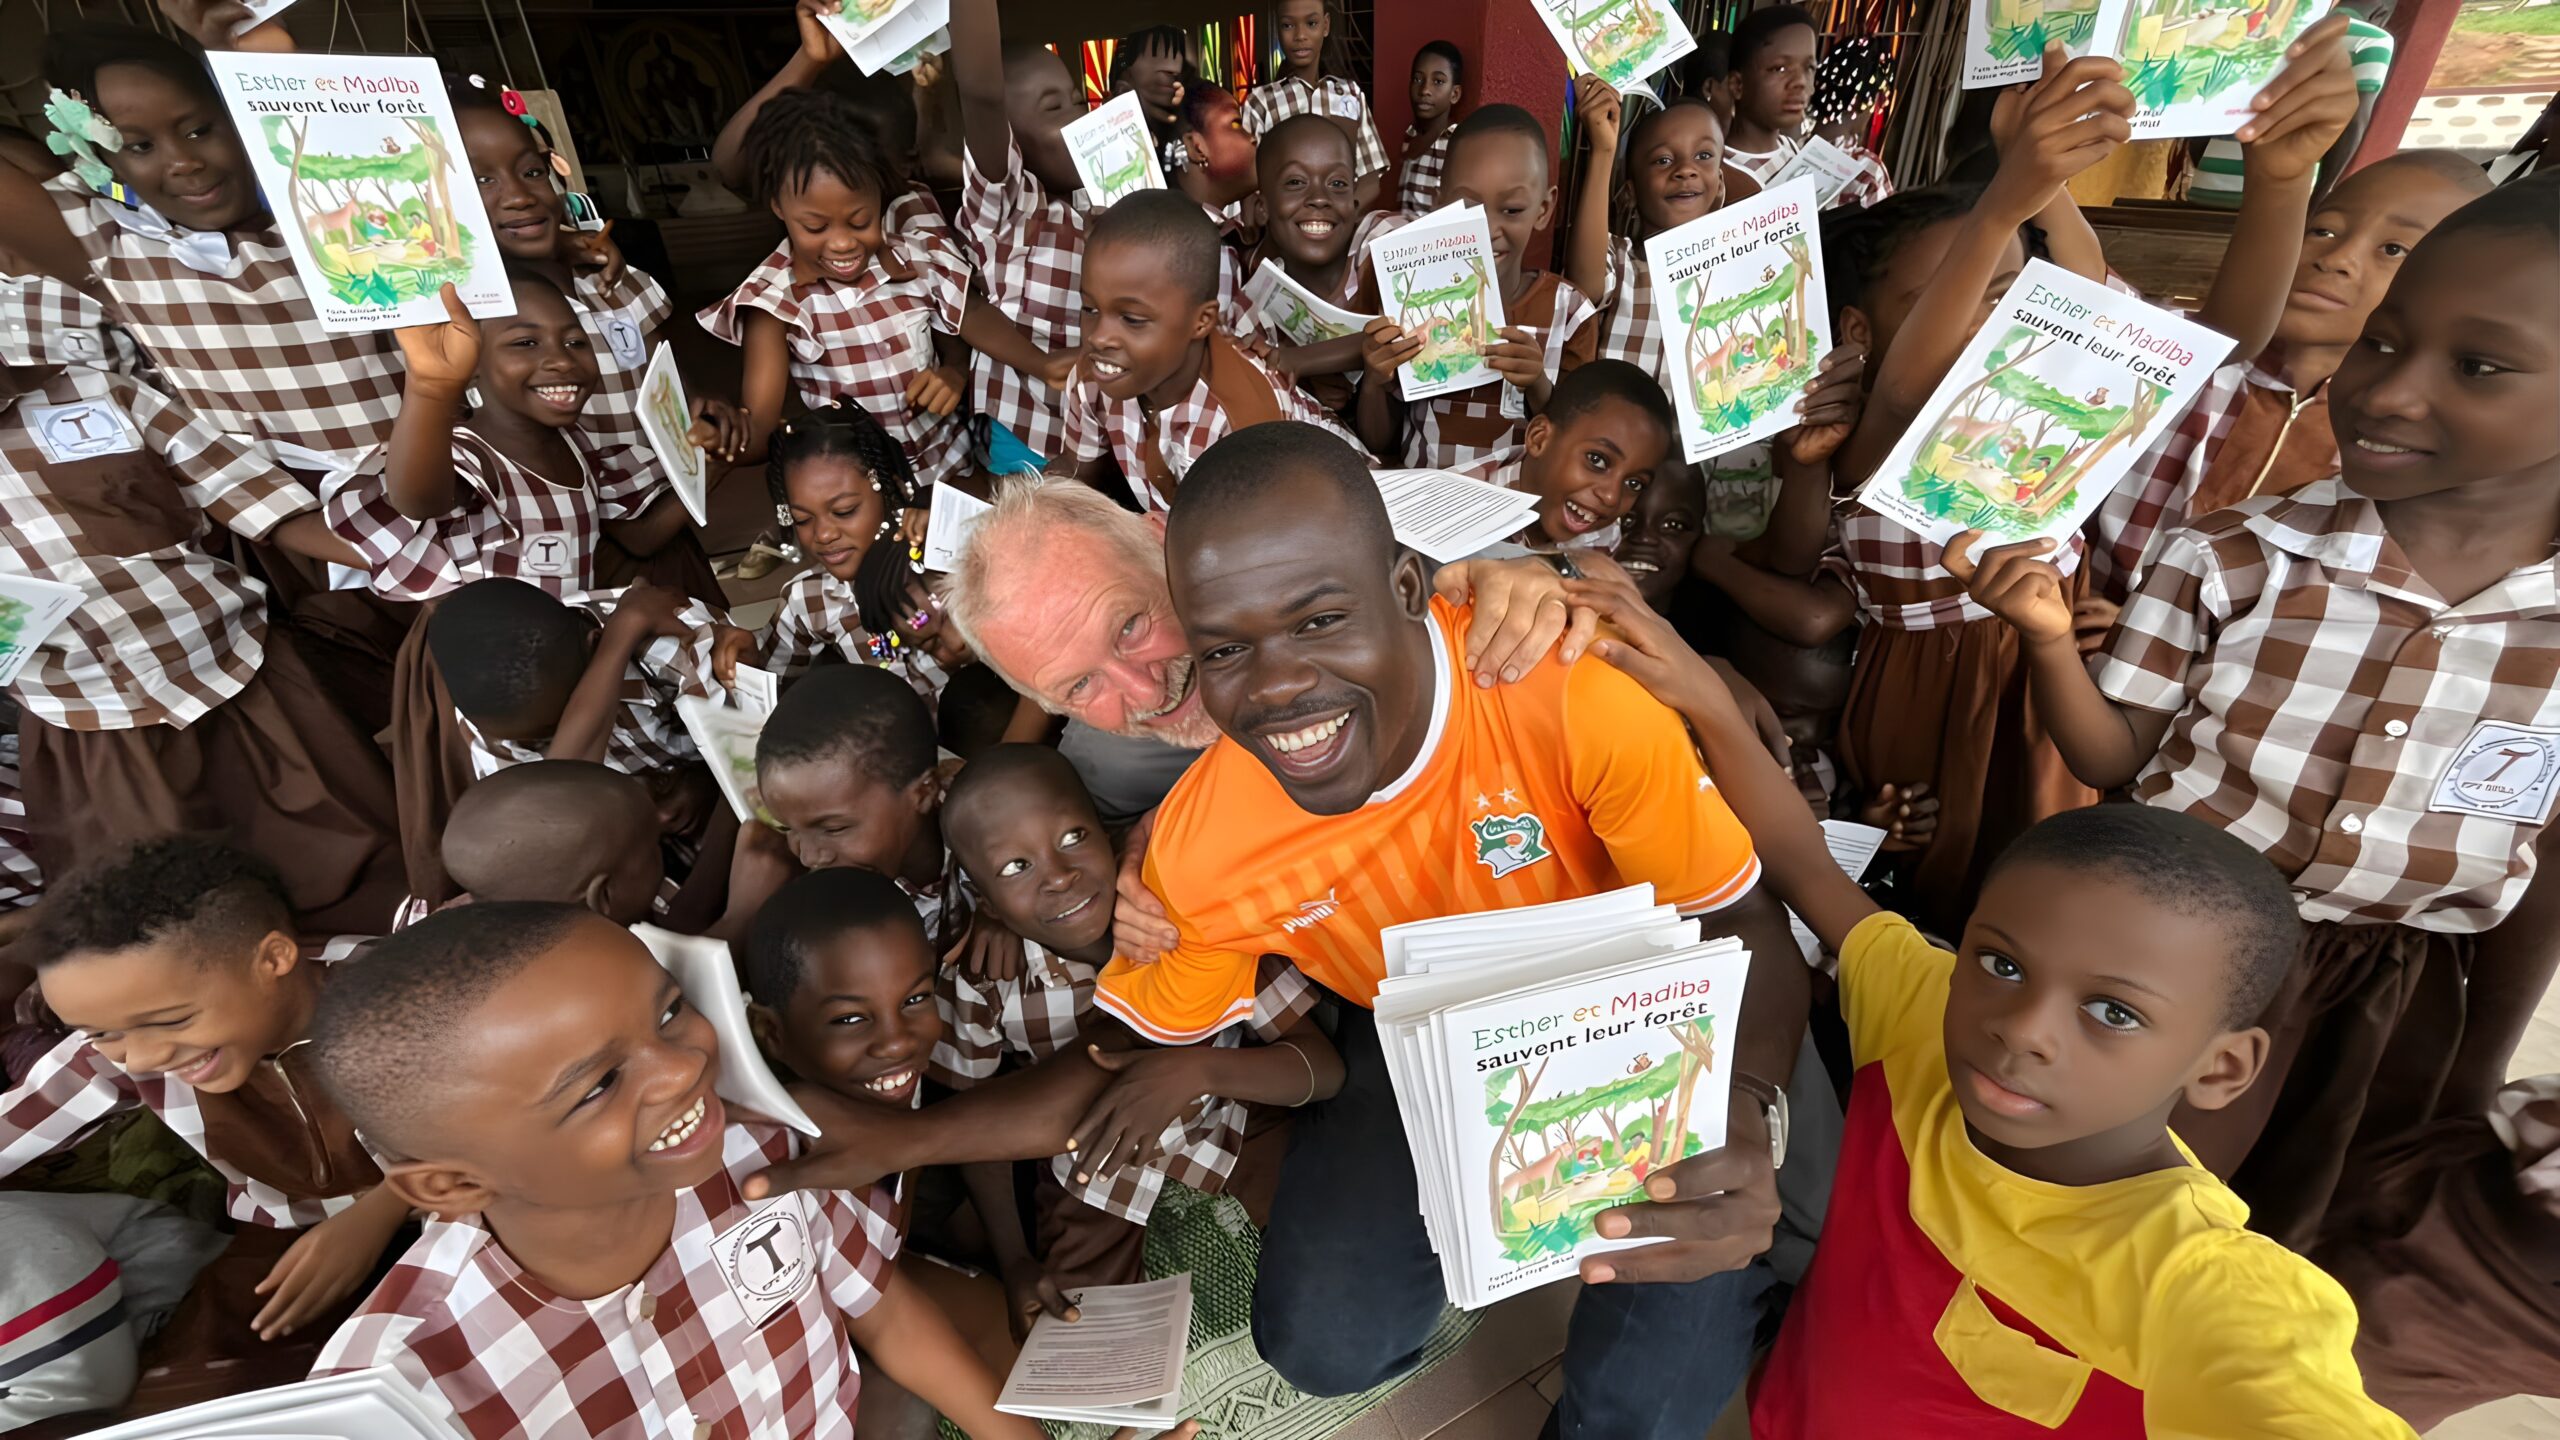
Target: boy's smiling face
1039,857
834,813
1142,324
2452,383
167,1007
1506,173
583,1081
1662,530
1587,470
864,1021
1675,161
2354,245
538,362
2079,1013
1309,192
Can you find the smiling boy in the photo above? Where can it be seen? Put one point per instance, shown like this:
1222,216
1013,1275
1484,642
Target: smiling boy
1604,437
1314,229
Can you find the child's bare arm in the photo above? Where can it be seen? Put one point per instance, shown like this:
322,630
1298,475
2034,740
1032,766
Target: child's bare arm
1800,522
1028,1290
308,535
33,237
1151,1088
2104,743
1800,612
418,470
2069,239
915,1345
1326,357
1586,265
2300,115
764,386
977,67
644,613
818,49
1378,415
648,532
989,330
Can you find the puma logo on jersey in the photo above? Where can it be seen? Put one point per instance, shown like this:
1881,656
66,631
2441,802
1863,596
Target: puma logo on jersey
1505,843
1310,912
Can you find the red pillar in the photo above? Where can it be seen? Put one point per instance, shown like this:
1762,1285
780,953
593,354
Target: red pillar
1510,60
2418,30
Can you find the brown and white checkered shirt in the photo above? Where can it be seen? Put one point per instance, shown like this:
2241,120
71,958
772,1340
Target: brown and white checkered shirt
1335,98
2392,752
1899,582
1629,329
866,339
1028,246
2157,496
1448,432
239,343
738,1327
1418,182
817,613
1034,1015
508,521
21,878
1098,424
621,320
648,736
166,632
1200,1149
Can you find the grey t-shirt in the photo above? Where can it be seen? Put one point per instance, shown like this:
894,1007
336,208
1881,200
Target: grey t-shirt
1128,775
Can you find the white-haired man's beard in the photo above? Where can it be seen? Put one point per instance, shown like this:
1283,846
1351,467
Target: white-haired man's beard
1192,730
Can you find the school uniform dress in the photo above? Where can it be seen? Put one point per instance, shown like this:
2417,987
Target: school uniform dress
2249,433
738,1326
1978,1301
1332,96
1938,695
1156,448
165,701
1448,431
1028,249
818,613
866,339
2394,753
1418,180
620,320
507,522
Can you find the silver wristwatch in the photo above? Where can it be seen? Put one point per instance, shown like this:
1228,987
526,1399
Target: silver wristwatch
1773,1107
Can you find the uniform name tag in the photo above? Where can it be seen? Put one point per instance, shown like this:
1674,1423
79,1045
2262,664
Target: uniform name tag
83,430
623,338
768,1259
2503,772
548,555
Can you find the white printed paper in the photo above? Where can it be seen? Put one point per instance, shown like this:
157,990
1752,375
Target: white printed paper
727,740
756,689
1450,517
2060,391
1300,315
2194,68
1621,41
1745,322
359,157
260,12
854,21
709,977
1115,153
1437,280
946,527
1853,847
916,29
30,610
2005,40
1119,1362
1831,169
374,1404
666,417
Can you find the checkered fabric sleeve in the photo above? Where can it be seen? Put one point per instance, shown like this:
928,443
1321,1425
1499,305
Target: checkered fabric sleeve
1034,1015
1334,98
1028,247
737,1327
21,878
1418,182
1183,432
816,614
1897,577
507,522
1628,329
621,320
1448,432
2155,496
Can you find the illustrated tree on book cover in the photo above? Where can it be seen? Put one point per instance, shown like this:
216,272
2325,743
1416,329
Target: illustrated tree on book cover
1746,355
1616,37
2021,29
1124,176
379,213
2178,51
2011,448
1450,319
1560,1159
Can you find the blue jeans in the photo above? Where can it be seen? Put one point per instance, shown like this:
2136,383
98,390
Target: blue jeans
1349,1288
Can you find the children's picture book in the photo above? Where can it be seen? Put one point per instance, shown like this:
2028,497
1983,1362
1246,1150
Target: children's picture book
1115,153
2005,40
30,610
902,32
373,1404
260,12
708,974
2044,412
1436,280
727,739
1450,517
2193,66
359,156
1741,488
1746,321
854,21
1621,41
1298,313
947,525
666,417
1119,1362
1546,1060
1830,168
756,689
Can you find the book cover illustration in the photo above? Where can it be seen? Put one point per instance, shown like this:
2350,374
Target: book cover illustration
1115,153
2046,410
2194,65
853,21
889,35
1621,41
1830,168
1300,315
30,611
2005,40
1746,317
1437,280
666,417
375,198
1563,1156
1741,490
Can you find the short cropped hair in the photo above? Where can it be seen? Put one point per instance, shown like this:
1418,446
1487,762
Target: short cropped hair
2187,867
1502,120
1028,512
1171,227
1279,137
1762,26
1593,381
192,886
386,1027
1446,50
505,647
550,812
2528,206
810,910
1256,461
1858,244
987,780
862,714
2446,165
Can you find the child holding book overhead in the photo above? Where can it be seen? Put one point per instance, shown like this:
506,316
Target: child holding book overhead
1439,83
2015,1236
1498,159
2355,678
1310,80
1315,232
1160,381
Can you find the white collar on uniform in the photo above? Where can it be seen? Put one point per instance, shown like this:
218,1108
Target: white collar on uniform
206,251
1440,686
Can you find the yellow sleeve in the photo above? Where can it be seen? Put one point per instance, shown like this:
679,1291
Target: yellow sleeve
1637,775
2244,1340
1194,991
1893,987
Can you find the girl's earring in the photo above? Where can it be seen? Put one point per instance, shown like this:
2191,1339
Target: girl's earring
471,396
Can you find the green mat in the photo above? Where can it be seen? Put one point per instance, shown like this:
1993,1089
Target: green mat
1225,1385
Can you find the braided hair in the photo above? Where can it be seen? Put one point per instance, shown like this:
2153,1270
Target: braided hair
799,133
843,430
880,592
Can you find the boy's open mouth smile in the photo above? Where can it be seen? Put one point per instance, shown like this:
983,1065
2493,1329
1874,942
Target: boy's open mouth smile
681,1132
896,1086
1576,518
1074,910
